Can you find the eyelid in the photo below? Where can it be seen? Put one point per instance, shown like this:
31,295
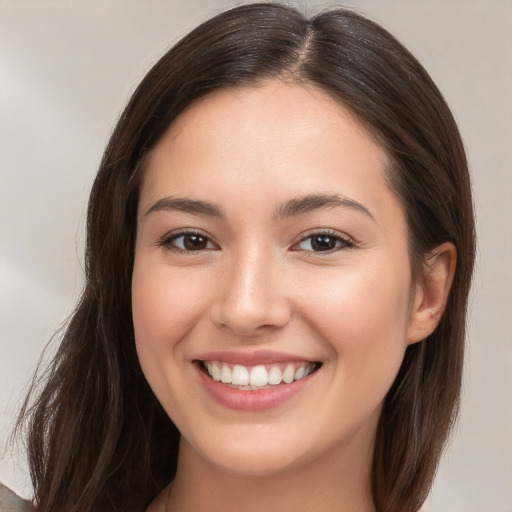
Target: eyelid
347,242
168,238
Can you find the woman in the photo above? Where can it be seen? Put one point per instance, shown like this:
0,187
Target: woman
279,252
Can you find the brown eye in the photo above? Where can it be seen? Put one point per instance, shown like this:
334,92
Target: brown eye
189,242
194,242
323,242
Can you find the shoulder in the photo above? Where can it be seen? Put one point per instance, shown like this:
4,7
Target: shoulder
11,502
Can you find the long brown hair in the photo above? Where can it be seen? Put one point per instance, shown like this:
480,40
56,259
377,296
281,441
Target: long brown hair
97,437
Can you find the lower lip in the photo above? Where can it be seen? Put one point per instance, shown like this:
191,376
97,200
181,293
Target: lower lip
251,400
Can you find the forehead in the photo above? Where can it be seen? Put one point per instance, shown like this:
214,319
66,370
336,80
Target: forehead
276,138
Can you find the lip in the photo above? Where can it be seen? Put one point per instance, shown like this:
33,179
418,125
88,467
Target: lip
254,358
250,400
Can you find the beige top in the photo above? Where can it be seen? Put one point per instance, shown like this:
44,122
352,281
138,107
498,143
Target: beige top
11,502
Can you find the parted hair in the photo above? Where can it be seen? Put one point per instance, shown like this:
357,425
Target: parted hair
97,438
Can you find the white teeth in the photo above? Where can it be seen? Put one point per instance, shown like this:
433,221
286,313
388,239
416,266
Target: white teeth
289,374
226,374
274,376
240,376
301,371
216,372
257,377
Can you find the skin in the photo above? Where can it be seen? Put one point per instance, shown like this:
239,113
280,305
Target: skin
257,284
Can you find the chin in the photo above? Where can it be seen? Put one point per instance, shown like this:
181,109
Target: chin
254,456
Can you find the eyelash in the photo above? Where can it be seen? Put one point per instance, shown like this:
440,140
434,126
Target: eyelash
341,242
167,241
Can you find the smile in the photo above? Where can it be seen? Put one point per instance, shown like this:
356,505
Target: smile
257,377
264,382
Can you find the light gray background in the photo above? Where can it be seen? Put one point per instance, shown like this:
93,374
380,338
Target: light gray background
68,67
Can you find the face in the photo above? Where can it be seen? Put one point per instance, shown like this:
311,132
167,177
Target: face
271,286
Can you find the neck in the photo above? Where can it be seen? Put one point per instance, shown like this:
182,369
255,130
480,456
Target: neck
324,484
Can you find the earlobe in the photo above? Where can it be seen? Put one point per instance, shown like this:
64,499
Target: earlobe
432,291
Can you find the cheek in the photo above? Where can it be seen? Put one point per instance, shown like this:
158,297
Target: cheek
363,317
163,305
163,310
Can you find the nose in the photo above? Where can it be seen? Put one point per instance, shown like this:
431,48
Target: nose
252,299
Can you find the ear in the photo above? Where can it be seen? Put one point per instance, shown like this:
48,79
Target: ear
431,293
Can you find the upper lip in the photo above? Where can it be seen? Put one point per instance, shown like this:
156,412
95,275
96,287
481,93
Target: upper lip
251,358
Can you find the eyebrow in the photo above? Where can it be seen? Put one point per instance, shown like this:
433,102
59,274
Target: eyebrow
291,208
313,202
183,204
